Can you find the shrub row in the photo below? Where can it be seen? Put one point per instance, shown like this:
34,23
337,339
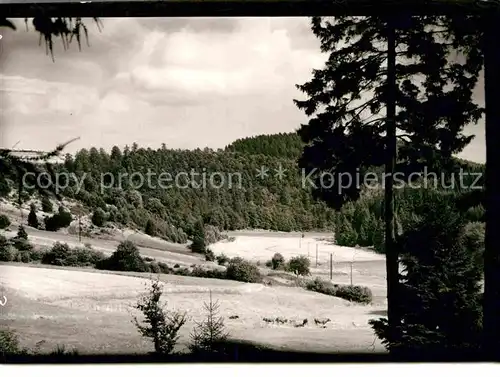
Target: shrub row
60,254
17,249
353,293
127,258
238,270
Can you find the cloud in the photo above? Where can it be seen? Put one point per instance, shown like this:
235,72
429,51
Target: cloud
39,97
188,82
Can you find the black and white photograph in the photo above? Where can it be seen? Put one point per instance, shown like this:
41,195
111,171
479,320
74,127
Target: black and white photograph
246,188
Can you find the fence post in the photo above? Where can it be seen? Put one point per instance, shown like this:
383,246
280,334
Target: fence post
316,255
331,266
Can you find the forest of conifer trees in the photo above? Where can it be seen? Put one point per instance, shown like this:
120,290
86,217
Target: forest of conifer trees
273,204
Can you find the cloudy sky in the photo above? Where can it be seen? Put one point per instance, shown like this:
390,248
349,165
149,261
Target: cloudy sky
184,82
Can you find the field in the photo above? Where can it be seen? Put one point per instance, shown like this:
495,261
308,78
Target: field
92,311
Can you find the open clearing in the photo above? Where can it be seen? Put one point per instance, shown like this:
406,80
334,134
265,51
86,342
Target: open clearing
92,311
261,248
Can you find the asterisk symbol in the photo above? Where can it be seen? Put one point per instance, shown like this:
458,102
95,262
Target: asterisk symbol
262,172
280,173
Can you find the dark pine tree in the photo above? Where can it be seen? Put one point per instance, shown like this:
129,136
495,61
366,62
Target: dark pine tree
47,205
440,287
150,228
346,133
198,245
21,233
32,217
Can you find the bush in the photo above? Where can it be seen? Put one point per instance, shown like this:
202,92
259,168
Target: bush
299,265
212,234
182,272
321,286
352,293
278,261
269,263
60,220
222,259
62,255
64,217
7,252
236,260
241,270
35,255
355,293
160,326
154,268
99,217
22,244
164,268
209,255
4,222
9,343
86,256
199,272
52,224
57,255
47,205
125,258
17,257
25,256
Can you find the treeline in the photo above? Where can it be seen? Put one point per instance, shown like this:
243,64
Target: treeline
283,145
137,187
220,188
362,223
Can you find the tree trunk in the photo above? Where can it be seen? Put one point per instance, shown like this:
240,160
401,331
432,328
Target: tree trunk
491,315
391,255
